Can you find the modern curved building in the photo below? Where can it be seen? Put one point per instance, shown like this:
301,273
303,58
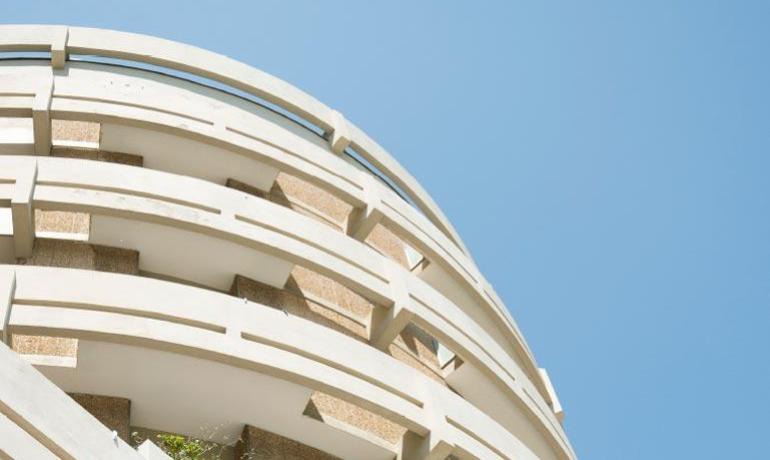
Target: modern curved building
192,246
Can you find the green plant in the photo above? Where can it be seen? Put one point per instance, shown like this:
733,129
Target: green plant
181,448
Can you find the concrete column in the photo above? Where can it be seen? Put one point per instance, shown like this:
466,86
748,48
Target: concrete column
388,322
22,211
339,137
362,220
7,291
434,445
59,48
416,447
554,404
41,118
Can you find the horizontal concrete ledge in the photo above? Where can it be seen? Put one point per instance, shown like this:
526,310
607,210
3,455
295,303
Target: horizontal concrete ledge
125,191
82,94
166,53
15,443
122,308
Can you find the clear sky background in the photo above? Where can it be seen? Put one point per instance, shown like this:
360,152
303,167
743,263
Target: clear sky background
607,164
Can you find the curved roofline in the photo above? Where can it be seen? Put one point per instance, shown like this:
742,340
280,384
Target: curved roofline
62,40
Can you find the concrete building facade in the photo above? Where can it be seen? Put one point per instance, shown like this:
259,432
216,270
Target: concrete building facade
189,245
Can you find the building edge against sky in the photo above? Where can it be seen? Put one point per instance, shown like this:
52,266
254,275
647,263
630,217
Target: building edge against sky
190,245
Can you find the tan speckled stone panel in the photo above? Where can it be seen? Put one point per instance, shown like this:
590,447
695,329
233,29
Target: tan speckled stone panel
295,304
420,343
416,348
257,444
411,360
387,243
310,200
325,405
114,413
44,345
97,155
62,221
77,254
245,188
84,131
307,282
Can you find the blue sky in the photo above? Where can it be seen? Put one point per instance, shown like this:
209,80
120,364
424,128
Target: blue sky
606,162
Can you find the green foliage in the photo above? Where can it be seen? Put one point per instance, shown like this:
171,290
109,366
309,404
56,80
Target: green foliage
181,448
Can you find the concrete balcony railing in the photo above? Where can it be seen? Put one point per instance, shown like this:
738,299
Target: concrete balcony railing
86,93
198,120
207,325
138,195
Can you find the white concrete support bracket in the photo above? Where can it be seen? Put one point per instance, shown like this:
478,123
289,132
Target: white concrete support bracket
59,48
362,220
41,118
22,211
388,322
555,404
416,447
339,137
433,446
7,293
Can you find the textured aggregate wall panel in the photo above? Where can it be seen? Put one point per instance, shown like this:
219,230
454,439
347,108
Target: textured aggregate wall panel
76,254
80,131
417,348
114,413
386,242
326,405
259,444
97,155
310,200
62,222
245,188
309,283
45,346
